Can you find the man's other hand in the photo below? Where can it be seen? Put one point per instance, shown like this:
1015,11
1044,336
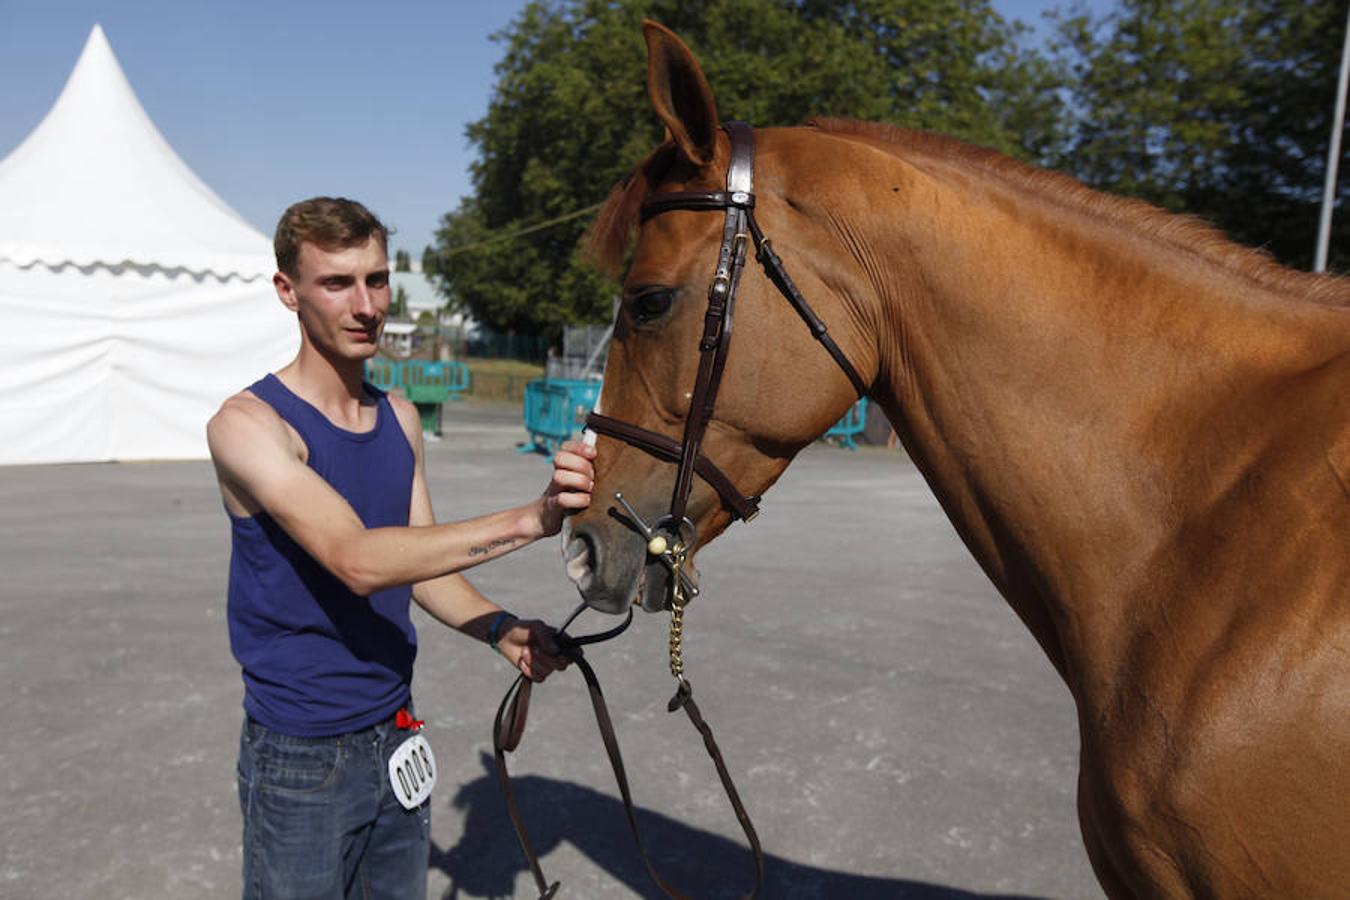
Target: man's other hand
528,644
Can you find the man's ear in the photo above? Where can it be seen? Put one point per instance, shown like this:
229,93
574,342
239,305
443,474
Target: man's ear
286,291
680,94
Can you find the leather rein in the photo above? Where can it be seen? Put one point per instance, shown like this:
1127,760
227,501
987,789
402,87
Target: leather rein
672,537
509,726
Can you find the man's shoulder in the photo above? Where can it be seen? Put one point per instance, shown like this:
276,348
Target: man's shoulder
244,405
401,404
408,417
244,413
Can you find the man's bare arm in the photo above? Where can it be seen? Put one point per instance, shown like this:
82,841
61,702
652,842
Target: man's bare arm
255,462
453,601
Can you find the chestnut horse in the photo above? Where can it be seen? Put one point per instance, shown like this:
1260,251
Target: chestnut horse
1140,430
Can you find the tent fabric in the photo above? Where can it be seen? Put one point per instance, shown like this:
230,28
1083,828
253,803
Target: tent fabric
97,182
126,363
135,299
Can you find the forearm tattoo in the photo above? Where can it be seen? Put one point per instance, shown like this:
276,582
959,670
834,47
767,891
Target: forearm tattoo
481,549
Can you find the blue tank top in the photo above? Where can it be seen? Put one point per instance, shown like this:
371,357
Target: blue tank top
317,659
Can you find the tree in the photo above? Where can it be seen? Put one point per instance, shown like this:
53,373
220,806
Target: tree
1220,108
569,117
402,261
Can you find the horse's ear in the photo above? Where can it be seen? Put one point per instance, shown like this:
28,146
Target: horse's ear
680,94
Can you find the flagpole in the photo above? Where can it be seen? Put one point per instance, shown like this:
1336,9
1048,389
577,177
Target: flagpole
1333,157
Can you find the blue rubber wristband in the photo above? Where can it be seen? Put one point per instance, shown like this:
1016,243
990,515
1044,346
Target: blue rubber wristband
495,627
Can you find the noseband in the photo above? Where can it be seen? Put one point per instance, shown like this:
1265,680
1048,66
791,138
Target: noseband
739,229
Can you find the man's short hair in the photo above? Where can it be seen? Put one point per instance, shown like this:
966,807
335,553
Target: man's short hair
329,223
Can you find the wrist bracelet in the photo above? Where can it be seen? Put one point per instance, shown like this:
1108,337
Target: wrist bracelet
495,627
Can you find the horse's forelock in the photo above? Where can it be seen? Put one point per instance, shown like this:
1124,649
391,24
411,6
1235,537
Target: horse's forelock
607,242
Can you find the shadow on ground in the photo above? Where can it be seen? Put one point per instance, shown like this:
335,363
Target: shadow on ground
487,860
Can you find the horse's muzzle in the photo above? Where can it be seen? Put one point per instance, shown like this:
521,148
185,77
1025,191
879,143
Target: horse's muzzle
606,574
612,570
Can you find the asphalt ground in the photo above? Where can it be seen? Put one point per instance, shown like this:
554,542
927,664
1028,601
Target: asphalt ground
894,730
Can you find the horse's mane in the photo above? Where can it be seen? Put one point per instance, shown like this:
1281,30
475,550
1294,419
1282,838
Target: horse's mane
1185,233
618,217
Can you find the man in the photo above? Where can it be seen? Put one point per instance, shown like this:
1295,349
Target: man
332,532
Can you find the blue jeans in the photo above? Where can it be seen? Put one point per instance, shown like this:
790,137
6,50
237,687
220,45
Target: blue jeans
320,820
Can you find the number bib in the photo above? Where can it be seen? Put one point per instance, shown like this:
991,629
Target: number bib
412,772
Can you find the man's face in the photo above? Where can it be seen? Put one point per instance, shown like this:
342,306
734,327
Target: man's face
341,297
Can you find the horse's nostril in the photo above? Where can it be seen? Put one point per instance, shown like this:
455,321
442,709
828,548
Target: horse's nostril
581,560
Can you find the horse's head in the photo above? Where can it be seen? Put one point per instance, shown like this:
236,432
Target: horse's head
773,389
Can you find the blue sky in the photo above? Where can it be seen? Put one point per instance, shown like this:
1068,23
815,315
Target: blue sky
272,102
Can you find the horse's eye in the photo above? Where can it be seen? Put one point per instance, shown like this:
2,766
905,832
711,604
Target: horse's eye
651,304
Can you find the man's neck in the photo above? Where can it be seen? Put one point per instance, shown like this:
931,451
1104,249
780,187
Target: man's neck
333,386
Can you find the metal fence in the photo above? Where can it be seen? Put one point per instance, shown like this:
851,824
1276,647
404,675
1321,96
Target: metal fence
583,353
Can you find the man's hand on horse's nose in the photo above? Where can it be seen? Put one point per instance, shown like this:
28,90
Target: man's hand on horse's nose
570,487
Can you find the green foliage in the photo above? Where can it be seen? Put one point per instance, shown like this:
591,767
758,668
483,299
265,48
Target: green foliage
402,261
1220,108
398,306
570,117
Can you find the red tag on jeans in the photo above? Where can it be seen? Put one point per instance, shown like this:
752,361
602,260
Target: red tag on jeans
404,720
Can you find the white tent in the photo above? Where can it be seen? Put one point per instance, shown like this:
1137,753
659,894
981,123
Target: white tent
134,300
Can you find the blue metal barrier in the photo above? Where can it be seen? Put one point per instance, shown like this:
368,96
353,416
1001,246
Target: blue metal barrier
850,426
555,409
426,383
385,374
434,381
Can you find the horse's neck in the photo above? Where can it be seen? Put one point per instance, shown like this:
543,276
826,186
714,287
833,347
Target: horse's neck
1076,395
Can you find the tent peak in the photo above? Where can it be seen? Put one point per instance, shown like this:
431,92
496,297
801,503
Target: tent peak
96,35
96,182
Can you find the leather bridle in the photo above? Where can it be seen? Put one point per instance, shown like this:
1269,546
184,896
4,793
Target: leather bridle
671,538
739,229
